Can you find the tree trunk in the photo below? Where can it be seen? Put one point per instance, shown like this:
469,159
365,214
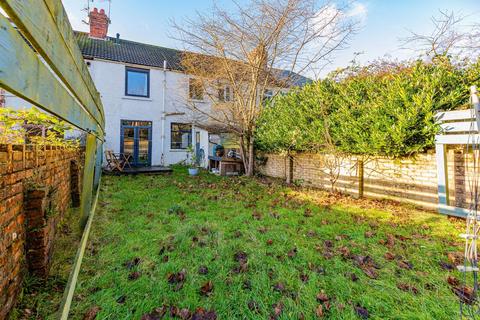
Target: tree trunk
243,153
251,157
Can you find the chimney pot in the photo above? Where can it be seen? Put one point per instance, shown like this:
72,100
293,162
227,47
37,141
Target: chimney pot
99,22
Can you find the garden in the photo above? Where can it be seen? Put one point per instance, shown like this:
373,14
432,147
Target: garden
207,247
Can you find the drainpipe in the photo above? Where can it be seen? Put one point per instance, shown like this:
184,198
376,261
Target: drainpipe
162,138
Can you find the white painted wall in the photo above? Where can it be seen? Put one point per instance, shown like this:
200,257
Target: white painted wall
109,78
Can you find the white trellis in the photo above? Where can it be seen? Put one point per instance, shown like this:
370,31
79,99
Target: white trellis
459,127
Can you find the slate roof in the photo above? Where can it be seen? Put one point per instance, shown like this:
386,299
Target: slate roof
127,51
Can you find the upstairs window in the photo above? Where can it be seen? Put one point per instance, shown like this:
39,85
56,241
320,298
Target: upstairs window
180,136
195,89
224,94
137,82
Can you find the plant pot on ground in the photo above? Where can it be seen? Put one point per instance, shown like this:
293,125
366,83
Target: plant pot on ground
192,162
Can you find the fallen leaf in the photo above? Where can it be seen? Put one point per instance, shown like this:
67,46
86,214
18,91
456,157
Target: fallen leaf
203,270
361,312
369,234
322,297
256,215
206,289
353,277
240,256
202,314
455,258
311,233
185,314
389,256
253,306
370,272
304,277
453,281
262,229
292,253
446,266
134,276
247,285
345,252
390,240
465,293
277,310
407,288
307,213
130,264
91,313
405,265
269,242
280,287
177,278
319,311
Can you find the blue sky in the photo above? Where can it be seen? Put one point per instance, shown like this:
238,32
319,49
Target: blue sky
383,22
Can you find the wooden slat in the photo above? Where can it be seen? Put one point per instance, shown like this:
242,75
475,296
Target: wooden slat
453,211
66,303
466,126
25,75
34,19
457,139
442,174
88,178
455,115
60,17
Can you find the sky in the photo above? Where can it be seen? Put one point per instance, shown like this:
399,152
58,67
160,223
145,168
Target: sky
383,23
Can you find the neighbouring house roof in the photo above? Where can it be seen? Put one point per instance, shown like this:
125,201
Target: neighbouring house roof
143,54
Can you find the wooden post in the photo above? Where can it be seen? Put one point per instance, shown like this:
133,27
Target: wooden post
360,167
442,172
98,165
88,177
289,169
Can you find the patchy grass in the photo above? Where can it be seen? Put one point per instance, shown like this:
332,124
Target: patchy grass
241,248
40,299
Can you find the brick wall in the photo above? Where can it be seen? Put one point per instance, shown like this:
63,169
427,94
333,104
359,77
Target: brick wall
412,180
37,185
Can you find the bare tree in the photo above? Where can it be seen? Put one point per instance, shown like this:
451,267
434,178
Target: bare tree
262,45
449,36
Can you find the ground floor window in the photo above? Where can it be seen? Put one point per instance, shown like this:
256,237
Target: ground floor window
181,135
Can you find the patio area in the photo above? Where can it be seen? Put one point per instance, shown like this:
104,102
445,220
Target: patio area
207,247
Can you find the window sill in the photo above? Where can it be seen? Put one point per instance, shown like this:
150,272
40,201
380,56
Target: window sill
196,100
136,98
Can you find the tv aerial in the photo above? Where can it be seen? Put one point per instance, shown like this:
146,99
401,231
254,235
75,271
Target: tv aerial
91,3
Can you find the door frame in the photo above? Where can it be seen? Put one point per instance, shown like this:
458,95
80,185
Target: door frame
134,161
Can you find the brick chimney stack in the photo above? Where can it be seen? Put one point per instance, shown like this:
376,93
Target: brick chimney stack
99,22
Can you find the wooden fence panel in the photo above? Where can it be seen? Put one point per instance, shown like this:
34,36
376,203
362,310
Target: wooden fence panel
25,75
53,38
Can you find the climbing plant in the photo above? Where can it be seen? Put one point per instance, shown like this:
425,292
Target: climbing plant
34,127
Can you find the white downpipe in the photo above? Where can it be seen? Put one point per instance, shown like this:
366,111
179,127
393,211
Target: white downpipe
162,138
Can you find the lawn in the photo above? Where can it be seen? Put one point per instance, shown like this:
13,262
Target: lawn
239,248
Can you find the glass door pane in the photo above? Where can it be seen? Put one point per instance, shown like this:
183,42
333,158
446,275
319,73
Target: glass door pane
128,141
143,146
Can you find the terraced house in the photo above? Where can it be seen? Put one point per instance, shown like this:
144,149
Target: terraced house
145,95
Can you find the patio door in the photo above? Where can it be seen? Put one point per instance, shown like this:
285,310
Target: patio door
136,141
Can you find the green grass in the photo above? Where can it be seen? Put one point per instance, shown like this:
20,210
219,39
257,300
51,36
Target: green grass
206,220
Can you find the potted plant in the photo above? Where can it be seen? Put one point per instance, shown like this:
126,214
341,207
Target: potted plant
192,162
